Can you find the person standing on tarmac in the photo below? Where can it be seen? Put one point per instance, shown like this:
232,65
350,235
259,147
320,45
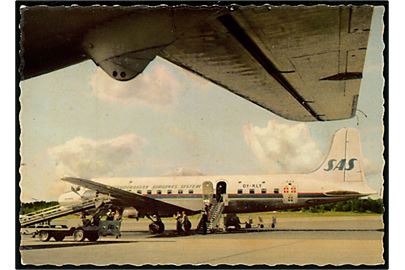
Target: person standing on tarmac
110,214
186,222
204,220
179,223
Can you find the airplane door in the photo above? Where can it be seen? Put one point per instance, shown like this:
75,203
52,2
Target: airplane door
207,192
290,193
221,194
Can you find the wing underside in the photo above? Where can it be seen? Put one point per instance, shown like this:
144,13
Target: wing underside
302,63
143,204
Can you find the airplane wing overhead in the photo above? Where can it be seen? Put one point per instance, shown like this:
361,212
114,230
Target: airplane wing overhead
143,204
302,63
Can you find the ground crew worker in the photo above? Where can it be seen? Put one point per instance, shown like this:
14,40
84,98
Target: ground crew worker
117,215
110,215
204,220
178,223
186,222
273,222
261,225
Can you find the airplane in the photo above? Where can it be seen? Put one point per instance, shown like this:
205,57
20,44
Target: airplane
304,63
340,177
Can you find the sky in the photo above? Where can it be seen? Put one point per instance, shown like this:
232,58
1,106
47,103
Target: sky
78,121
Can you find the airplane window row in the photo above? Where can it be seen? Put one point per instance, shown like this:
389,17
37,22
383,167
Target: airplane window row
263,191
252,191
159,192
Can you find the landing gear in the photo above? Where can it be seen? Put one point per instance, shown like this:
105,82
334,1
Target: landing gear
156,228
187,225
157,225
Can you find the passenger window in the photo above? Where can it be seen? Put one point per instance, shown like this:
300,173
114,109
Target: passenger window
264,190
169,191
190,191
159,192
252,191
276,191
139,192
149,192
240,191
180,191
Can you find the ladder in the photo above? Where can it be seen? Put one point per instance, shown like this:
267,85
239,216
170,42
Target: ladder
59,211
215,214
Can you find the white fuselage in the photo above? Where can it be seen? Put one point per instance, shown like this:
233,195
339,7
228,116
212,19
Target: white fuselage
241,193
340,177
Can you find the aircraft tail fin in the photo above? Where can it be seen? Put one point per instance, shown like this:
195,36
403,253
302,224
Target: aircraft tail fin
344,161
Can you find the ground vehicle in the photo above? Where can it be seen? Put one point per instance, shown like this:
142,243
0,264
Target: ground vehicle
38,223
92,232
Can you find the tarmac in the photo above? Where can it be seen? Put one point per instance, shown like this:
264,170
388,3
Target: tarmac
345,240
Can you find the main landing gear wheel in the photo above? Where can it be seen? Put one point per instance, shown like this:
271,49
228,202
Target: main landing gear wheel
78,235
44,236
157,227
187,226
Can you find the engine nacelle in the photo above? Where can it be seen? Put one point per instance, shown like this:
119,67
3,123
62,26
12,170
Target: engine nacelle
76,196
130,212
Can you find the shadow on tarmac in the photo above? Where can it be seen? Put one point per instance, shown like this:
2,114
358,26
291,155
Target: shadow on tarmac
174,233
76,244
69,244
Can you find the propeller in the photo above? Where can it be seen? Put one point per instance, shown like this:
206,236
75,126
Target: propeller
75,190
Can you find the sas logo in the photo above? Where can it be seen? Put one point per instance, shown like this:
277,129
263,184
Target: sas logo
343,164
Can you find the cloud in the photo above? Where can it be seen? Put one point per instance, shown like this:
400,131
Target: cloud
88,158
283,148
158,86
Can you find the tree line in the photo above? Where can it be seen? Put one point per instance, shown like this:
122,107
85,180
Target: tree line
354,205
35,206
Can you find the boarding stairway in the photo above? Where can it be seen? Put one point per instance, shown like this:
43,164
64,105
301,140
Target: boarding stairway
214,215
60,211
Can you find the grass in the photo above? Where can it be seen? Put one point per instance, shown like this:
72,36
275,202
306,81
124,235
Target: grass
308,214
